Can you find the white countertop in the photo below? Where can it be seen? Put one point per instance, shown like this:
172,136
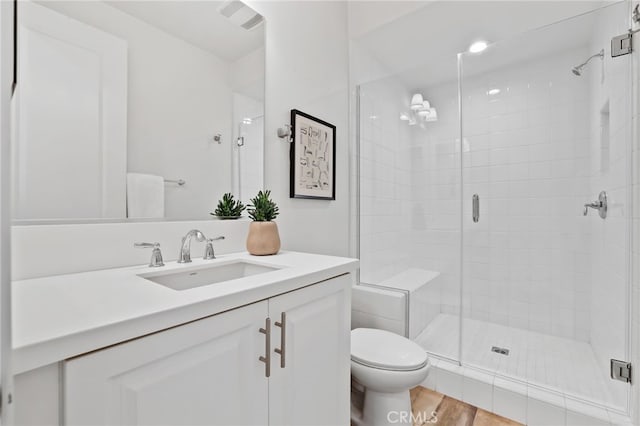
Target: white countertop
62,316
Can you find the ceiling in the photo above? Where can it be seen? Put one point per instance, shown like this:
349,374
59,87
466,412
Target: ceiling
367,15
198,23
422,46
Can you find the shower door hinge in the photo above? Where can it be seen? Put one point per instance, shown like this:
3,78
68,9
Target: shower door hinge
622,44
621,370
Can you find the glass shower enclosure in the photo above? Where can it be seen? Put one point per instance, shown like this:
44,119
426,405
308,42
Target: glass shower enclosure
502,194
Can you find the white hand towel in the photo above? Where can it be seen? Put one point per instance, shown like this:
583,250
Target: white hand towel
145,196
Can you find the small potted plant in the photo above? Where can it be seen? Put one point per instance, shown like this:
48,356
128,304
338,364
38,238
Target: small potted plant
263,238
228,207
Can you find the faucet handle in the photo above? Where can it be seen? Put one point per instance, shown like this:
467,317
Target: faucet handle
156,254
600,204
146,245
208,250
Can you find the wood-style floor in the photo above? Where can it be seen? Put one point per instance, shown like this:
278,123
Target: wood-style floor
433,408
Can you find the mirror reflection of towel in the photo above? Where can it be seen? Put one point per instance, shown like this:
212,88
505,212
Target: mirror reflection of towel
145,196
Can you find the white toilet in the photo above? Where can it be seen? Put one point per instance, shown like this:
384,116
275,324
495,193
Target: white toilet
387,365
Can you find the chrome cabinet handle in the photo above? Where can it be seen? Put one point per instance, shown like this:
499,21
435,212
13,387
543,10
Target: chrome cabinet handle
267,347
283,338
476,208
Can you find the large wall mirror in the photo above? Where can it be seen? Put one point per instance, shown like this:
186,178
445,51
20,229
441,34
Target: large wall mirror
136,109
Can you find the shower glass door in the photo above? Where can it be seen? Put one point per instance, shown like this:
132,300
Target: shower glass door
409,210
545,127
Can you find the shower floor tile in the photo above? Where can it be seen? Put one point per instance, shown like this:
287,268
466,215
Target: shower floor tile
565,366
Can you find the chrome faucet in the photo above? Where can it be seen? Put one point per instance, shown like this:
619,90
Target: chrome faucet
185,247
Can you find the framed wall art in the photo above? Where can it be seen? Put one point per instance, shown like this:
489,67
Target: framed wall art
313,157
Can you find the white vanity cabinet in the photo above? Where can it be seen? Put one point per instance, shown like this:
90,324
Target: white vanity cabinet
194,374
312,388
209,371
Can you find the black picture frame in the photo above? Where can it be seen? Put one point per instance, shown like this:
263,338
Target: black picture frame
312,167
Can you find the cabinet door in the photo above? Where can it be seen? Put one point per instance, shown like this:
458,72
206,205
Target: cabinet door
313,386
203,373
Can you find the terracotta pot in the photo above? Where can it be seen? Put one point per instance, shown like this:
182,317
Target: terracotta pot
263,238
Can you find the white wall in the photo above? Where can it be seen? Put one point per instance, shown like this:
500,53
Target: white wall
42,250
307,69
179,96
247,74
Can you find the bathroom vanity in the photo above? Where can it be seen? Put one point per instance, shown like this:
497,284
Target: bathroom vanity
268,344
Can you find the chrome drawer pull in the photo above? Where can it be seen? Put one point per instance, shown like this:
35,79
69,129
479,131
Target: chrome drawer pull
267,347
283,336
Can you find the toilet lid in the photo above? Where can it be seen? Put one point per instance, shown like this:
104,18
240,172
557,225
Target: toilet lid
385,350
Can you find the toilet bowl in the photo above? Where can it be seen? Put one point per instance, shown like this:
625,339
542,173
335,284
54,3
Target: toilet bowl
387,365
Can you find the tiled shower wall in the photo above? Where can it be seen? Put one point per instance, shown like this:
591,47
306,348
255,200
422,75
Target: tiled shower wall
526,262
435,176
526,154
385,191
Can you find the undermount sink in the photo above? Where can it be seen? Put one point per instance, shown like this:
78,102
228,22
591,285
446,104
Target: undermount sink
207,275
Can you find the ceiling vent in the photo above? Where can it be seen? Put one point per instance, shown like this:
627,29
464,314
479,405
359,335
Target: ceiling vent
241,14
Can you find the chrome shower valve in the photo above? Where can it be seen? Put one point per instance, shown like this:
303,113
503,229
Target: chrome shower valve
600,205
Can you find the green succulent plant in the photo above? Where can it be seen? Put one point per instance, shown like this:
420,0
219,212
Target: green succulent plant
262,208
229,207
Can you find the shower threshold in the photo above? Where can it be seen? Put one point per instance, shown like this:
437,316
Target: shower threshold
543,370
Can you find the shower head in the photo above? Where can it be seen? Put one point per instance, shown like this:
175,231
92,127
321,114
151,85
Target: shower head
577,70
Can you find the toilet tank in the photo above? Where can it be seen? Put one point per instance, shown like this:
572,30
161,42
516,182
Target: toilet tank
404,304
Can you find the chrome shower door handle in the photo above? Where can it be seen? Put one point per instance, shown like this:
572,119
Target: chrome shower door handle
283,338
267,347
476,208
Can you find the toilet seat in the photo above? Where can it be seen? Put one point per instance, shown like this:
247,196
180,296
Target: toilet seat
384,350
